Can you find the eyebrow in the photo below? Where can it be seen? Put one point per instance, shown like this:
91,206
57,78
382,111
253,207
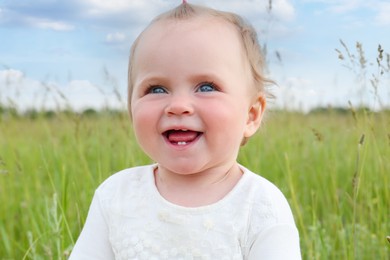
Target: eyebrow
198,77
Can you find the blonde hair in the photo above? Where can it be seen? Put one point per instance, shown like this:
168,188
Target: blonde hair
248,35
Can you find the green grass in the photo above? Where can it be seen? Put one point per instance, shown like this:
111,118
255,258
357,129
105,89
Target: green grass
338,186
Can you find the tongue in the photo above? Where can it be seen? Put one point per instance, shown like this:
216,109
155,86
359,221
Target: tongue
176,136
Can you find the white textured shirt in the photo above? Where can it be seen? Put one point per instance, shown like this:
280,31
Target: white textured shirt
129,219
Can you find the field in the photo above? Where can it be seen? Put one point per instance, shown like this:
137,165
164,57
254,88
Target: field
334,168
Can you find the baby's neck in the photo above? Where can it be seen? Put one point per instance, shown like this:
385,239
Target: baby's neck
199,189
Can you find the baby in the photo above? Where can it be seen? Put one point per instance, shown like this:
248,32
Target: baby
196,94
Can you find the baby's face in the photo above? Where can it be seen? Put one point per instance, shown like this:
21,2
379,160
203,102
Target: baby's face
192,97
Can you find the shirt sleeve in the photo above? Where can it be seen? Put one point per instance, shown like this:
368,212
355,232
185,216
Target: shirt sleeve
93,242
277,242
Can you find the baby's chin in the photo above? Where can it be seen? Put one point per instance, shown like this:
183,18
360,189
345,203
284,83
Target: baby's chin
180,168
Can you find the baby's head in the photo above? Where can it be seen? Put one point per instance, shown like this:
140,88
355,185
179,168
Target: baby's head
247,34
186,24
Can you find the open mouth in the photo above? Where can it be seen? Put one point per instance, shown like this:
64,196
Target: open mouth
181,137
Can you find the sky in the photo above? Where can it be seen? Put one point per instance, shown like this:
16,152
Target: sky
55,54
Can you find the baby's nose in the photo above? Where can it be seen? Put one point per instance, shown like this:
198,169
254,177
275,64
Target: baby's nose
179,105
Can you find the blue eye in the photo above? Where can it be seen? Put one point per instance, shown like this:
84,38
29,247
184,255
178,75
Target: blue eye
207,87
156,90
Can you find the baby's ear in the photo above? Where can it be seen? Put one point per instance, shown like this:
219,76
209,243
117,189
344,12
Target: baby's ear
255,115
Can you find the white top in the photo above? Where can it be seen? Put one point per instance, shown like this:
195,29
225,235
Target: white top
129,219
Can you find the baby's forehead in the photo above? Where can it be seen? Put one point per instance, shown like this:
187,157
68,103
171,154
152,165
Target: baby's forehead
199,21
206,28
189,32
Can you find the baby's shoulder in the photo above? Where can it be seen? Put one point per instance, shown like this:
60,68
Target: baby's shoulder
268,202
260,186
126,180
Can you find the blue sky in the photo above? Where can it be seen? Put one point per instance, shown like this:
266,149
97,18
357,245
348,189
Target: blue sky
75,52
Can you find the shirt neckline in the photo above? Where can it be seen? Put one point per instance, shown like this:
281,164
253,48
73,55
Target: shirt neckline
220,203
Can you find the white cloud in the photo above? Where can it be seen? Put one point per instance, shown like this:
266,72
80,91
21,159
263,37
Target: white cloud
380,8
284,10
26,17
383,16
99,6
82,94
25,93
10,77
124,10
126,15
17,90
254,9
53,25
116,37
295,93
143,11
